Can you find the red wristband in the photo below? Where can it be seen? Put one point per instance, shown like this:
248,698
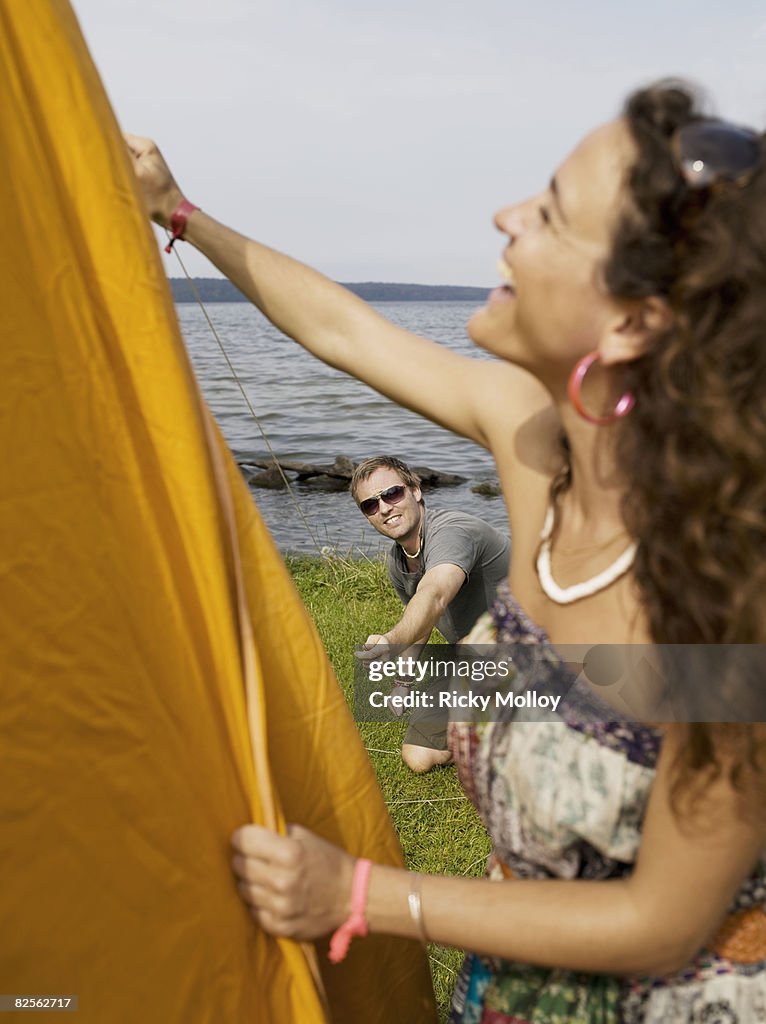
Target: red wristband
178,221
356,922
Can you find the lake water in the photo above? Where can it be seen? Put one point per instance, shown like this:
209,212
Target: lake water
311,412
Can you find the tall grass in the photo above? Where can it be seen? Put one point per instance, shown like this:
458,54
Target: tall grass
438,828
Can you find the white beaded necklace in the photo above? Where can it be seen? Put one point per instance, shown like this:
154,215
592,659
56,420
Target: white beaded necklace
567,595
420,538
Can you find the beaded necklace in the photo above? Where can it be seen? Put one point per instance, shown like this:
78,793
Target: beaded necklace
567,595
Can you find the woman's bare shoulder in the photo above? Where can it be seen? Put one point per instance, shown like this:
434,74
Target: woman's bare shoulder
517,417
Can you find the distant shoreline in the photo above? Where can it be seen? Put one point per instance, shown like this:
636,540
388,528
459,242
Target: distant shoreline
218,289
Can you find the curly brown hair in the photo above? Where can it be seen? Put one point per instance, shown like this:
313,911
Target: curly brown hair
695,444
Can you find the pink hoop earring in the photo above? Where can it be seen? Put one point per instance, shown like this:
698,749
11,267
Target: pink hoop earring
574,389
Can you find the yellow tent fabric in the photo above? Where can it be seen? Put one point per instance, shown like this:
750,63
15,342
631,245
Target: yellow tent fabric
161,682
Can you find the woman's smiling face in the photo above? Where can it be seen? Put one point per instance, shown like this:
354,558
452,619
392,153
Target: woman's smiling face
552,309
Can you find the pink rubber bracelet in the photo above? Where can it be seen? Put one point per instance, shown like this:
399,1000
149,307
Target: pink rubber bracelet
178,221
356,922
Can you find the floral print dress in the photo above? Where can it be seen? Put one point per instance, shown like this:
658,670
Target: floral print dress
565,798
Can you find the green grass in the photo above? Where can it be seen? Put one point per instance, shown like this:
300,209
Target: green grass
439,830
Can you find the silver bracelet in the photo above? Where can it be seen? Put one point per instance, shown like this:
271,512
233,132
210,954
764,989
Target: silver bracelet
415,904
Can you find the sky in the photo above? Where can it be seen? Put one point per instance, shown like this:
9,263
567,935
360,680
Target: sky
375,141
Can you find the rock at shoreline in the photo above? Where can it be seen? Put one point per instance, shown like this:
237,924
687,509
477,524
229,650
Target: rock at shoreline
488,489
343,464
270,478
335,477
324,482
435,478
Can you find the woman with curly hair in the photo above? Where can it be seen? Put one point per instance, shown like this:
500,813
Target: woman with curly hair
628,422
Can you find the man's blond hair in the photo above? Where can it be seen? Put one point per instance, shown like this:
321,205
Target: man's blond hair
365,470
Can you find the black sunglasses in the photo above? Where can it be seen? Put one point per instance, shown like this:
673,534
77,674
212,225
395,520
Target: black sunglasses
391,496
708,152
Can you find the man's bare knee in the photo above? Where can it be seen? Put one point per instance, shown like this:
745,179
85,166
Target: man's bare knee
422,759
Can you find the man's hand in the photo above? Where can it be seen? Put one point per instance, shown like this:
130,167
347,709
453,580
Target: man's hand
376,648
161,192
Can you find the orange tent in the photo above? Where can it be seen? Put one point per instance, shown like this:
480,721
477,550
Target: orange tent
161,682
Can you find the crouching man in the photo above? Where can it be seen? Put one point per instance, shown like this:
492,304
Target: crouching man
445,566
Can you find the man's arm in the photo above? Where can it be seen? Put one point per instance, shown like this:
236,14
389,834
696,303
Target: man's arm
427,605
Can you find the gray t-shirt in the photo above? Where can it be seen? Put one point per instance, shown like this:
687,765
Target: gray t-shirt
456,538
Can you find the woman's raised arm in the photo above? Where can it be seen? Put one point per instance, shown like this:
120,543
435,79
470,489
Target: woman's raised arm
462,394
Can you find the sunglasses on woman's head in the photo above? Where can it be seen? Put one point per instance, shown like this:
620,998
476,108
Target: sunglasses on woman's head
391,496
709,152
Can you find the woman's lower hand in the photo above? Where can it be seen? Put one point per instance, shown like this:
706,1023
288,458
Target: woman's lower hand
298,885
